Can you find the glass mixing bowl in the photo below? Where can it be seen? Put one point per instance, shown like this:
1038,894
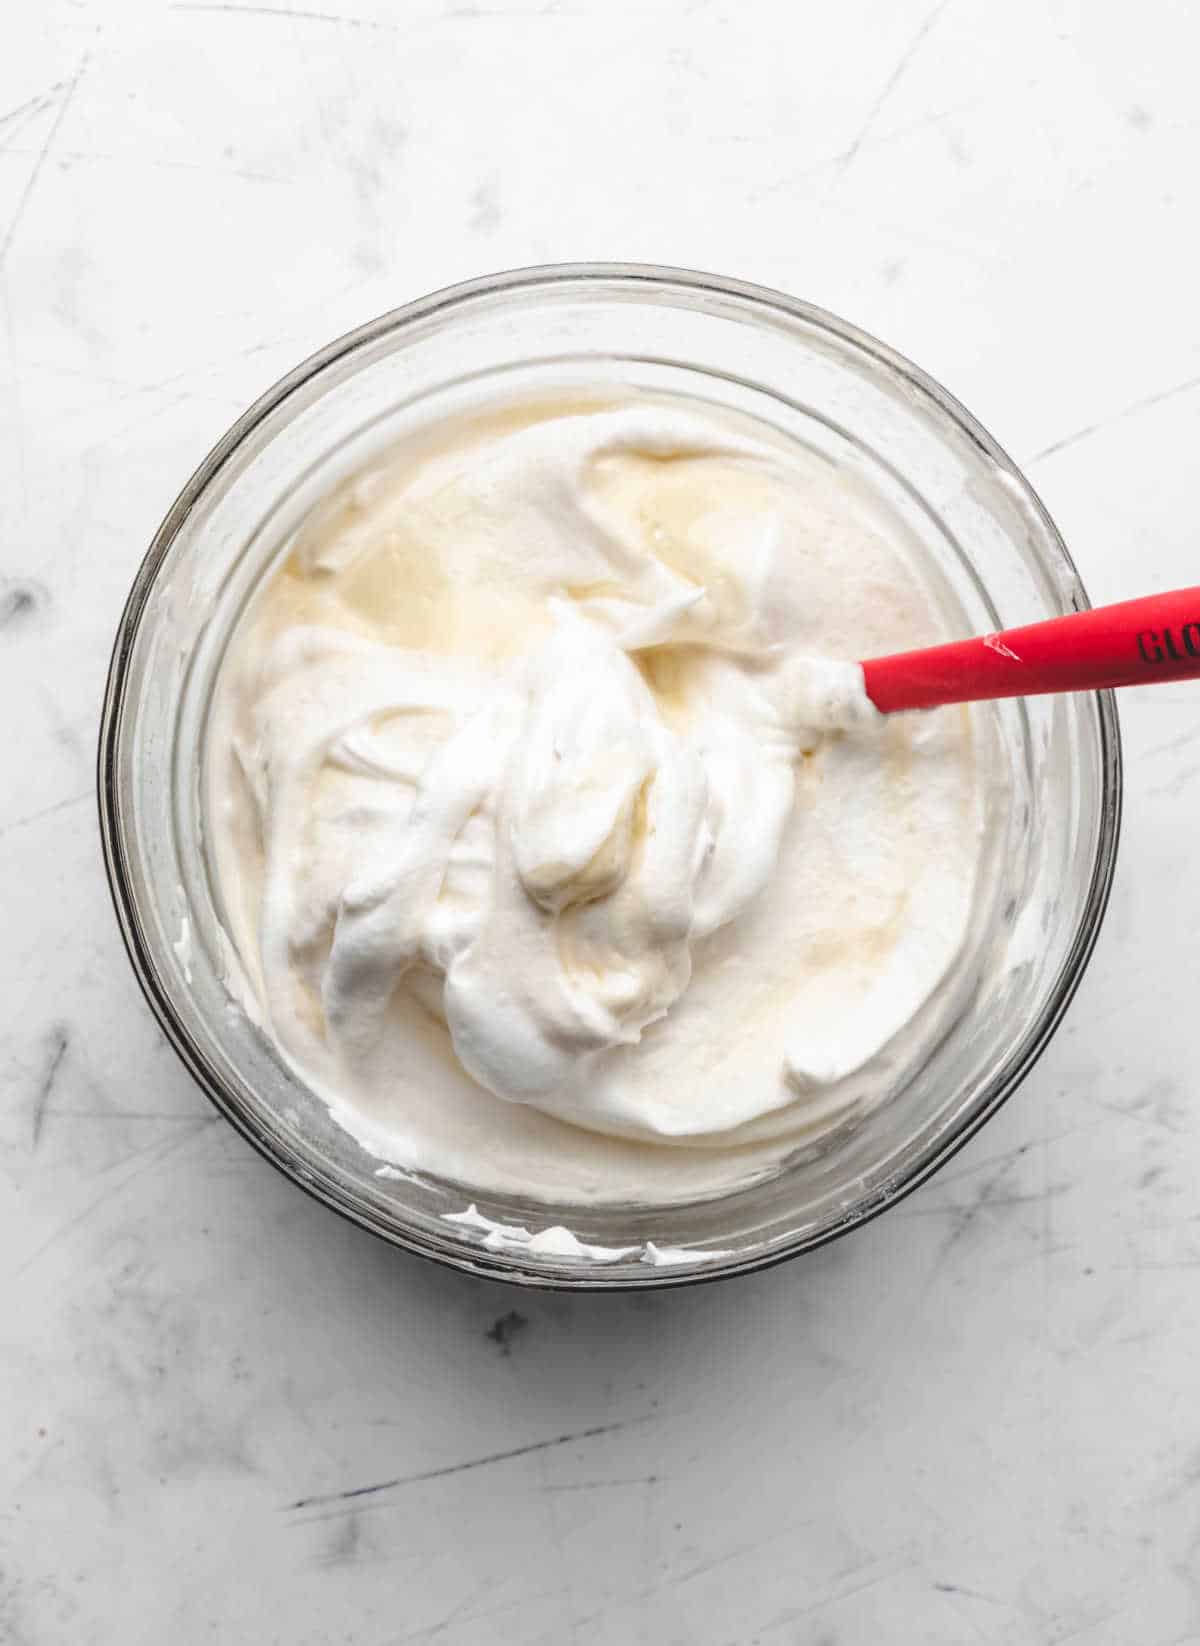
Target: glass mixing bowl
818,380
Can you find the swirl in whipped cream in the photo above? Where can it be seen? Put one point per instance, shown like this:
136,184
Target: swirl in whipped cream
541,793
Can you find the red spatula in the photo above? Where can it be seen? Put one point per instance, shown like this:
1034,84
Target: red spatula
1131,644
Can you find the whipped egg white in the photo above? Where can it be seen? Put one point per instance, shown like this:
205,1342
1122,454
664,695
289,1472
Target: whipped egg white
560,846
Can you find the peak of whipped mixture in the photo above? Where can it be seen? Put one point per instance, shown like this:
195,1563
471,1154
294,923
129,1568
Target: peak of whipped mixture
552,822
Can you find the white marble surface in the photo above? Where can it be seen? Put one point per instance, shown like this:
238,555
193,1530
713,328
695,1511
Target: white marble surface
975,1421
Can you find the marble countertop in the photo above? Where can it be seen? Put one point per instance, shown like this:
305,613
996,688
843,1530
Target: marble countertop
974,1421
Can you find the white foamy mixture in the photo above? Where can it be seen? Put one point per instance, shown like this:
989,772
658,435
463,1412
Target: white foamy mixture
558,842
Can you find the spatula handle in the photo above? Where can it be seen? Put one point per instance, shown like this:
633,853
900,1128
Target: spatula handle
1133,643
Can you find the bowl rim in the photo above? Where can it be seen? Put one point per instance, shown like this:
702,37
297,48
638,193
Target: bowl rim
475,1260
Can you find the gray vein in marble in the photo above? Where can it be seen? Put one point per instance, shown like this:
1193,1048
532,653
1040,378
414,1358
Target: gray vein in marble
346,1543
989,1196
57,1042
64,733
505,1328
21,600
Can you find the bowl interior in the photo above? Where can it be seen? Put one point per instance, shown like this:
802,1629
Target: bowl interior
941,480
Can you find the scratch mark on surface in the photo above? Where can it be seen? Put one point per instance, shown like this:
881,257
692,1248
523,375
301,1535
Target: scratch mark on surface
1035,1197
1176,783
1159,699
85,375
836,1596
1132,410
39,163
893,80
754,1548
1073,439
968,1594
93,1206
183,398
134,1114
323,1499
33,105
901,231
1086,1627
475,15
45,811
94,157
994,643
64,1230
1005,1158
1140,1112
296,13
430,1631
1165,1264
158,1149
1172,743
886,139
963,1213
58,1040
603,1485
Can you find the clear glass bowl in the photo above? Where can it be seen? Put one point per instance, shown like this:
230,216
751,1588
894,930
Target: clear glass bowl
814,377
